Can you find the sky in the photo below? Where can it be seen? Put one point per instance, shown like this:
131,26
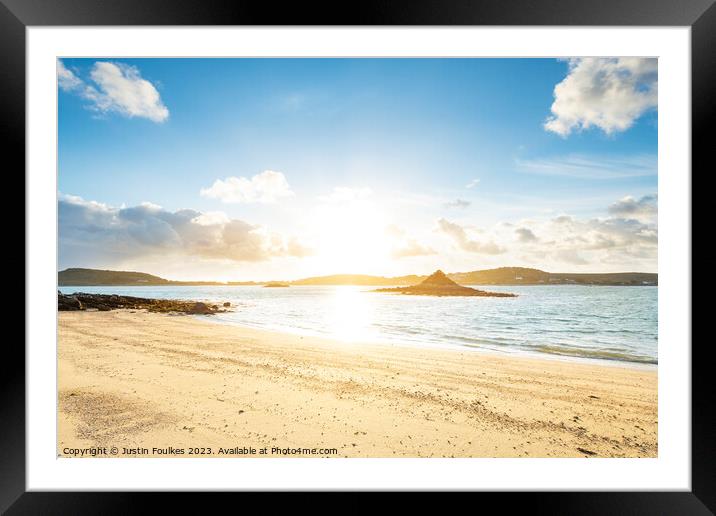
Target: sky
258,169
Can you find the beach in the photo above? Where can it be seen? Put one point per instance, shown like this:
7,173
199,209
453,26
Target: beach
152,384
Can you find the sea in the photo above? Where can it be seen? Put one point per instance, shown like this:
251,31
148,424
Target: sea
616,324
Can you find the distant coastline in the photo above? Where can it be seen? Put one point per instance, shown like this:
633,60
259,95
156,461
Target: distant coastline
500,276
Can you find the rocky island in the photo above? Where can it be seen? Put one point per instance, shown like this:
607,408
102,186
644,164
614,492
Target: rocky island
106,302
438,284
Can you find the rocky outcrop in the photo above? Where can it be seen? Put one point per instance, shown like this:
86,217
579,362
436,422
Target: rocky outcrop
201,309
68,302
105,302
438,284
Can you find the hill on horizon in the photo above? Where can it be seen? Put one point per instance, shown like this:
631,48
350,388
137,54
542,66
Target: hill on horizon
77,277
438,284
89,277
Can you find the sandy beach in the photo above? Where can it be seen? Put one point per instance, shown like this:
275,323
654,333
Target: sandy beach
153,384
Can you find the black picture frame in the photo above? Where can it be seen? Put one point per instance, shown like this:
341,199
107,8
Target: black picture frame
700,15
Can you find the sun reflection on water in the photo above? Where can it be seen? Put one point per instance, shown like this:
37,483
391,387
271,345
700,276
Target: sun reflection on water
352,315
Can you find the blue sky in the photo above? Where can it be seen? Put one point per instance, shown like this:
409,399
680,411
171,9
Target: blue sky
402,138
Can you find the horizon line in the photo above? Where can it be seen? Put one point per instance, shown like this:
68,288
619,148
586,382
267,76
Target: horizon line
352,274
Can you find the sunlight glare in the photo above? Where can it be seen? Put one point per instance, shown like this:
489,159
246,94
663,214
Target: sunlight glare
352,237
352,316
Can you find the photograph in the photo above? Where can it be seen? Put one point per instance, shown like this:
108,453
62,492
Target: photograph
357,257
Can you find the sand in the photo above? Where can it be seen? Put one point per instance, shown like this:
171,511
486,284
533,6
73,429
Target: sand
147,384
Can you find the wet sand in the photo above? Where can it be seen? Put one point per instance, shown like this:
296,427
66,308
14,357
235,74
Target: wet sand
153,384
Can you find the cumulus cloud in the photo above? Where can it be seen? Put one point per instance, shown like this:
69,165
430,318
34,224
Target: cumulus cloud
266,187
461,239
525,235
115,88
570,256
628,207
99,230
457,203
627,237
210,218
608,93
66,79
623,238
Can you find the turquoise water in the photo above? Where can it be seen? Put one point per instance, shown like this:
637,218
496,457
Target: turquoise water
587,322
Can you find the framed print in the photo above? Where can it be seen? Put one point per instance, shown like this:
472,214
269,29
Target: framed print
419,249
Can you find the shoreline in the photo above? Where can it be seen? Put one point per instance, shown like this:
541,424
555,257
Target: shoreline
137,380
641,359
405,343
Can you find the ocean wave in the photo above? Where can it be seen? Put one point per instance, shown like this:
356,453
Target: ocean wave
602,354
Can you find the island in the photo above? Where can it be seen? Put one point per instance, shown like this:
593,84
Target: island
276,284
438,284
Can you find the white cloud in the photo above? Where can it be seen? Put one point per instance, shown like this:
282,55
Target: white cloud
123,90
66,79
628,207
472,183
461,239
570,256
150,206
608,93
591,167
211,218
618,239
457,203
266,187
525,235
115,88
624,238
91,232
